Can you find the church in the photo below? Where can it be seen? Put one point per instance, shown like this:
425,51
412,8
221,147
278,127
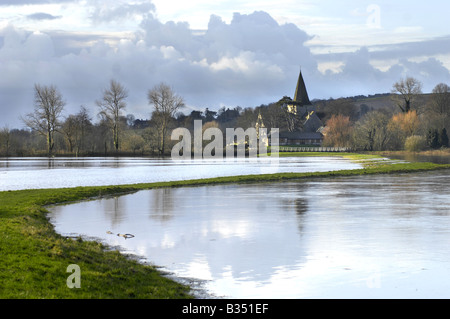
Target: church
305,126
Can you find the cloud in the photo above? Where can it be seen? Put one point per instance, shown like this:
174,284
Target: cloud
19,46
109,11
248,61
411,49
358,75
31,2
42,16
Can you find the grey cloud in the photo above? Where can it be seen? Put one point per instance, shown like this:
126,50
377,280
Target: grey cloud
225,65
358,76
247,62
115,10
24,2
431,47
42,16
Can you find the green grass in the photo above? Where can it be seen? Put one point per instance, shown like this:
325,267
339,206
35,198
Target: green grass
34,258
355,156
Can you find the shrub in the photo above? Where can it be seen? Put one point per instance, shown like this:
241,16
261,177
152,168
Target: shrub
415,143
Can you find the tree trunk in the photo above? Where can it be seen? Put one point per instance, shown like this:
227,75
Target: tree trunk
407,106
49,143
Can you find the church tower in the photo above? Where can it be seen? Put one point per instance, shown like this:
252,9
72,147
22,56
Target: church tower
301,99
303,109
303,126
301,95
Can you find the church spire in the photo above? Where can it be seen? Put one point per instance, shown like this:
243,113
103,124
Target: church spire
301,95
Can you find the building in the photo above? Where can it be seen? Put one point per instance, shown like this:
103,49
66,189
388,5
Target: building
306,125
300,138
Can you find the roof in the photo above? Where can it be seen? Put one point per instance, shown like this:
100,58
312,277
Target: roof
300,135
313,123
301,95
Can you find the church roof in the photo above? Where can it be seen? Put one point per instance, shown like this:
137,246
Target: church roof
300,135
301,95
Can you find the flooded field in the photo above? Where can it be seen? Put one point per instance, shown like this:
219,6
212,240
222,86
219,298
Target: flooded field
26,173
380,236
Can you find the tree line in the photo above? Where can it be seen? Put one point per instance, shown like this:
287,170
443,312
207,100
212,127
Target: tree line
50,133
410,122
415,124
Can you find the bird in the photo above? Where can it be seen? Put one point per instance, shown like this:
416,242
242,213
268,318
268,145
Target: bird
126,236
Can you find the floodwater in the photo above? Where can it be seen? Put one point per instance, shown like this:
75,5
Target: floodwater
380,236
31,173
438,159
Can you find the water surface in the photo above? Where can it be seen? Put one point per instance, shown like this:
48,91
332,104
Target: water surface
383,236
31,173
438,159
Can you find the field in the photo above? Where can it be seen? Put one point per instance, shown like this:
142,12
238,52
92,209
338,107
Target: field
35,258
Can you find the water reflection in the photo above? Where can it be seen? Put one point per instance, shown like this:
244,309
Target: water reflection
438,159
358,237
163,203
26,173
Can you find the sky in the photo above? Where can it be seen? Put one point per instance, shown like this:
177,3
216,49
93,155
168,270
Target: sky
216,53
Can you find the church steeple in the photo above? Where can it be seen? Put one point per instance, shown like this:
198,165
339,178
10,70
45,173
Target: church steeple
301,95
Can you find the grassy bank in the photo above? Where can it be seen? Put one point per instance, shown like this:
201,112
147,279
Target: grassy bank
439,152
352,156
34,258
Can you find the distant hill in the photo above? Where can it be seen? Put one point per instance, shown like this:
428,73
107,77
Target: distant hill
388,101
379,101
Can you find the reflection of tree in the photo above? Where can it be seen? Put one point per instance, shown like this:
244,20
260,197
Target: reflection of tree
50,163
162,202
299,202
114,209
301,207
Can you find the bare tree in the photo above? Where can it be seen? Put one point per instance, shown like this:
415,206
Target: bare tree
408,89
273,116
111,105
5,138
440,103
70,130
338,131
166,104
441,99
371,132
84,126
75,128
48,106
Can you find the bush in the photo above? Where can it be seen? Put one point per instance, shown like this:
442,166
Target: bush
415,143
